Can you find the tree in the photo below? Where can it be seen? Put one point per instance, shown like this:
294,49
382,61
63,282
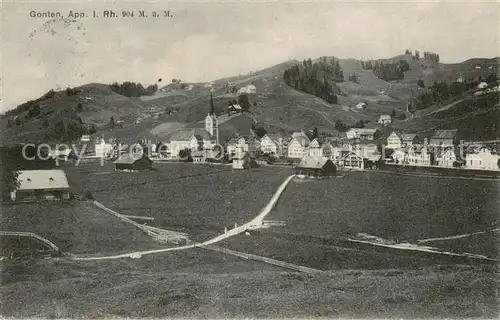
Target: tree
417,55
185,155
340,126
408,51
112,121
244,102
421,83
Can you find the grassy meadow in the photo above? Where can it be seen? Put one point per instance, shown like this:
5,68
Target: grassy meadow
198,199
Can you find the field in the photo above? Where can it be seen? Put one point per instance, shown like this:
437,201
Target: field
399,208
76,227
198,199
200,284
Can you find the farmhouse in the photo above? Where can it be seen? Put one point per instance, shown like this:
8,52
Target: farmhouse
482,158
248,89
445,138
315,167
384,119
353,161
37,185
128,162
362,133
394,141
361,105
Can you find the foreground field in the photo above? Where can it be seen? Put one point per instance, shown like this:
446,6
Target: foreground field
391,207
198,199
199,284
76,227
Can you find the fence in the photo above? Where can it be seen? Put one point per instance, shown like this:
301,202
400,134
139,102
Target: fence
249,256
31,235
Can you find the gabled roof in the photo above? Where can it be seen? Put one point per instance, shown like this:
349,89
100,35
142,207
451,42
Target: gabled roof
42,179
444,134
274,136
408,136
313,162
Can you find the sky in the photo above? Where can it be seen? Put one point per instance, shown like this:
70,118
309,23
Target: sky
207,40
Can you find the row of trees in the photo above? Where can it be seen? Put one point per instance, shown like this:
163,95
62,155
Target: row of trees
431,56
342,127
132,89
71,130
316,78
441,91
392,70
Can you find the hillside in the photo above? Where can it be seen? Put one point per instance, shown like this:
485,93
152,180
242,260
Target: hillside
274,105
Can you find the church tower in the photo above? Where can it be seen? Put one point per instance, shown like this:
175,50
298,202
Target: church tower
211,123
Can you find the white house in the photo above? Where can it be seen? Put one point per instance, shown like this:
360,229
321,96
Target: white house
298,145
103,149
234,143
445,158
314,149
482,158
384,119
182,140
418,155
394,141
271,144
482,85
248,89
361,105
399,156
241,159
85,138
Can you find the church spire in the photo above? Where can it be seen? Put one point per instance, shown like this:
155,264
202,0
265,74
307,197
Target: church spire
212,112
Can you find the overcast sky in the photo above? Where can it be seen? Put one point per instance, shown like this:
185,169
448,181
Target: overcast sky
206,41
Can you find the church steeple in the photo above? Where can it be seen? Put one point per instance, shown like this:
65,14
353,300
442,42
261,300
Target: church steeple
212,111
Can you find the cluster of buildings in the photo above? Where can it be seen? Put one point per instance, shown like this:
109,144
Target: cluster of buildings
442,149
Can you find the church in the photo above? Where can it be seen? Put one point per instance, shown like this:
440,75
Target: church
211,122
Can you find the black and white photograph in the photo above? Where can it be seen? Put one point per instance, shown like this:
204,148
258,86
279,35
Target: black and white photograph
250,160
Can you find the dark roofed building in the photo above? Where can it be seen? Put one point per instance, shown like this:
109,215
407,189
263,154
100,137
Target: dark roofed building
445,138
315,167
133,163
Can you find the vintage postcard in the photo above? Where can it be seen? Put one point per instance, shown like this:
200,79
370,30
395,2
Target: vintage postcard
256,159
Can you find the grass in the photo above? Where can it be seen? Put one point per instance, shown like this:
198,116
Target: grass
198,284
391,207
198,199
76,227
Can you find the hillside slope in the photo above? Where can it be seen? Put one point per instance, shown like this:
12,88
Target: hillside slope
274,105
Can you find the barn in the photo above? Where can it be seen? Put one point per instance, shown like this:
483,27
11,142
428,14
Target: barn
315,167
39,185
127,162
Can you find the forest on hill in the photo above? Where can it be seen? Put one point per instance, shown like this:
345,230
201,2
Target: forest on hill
316,78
